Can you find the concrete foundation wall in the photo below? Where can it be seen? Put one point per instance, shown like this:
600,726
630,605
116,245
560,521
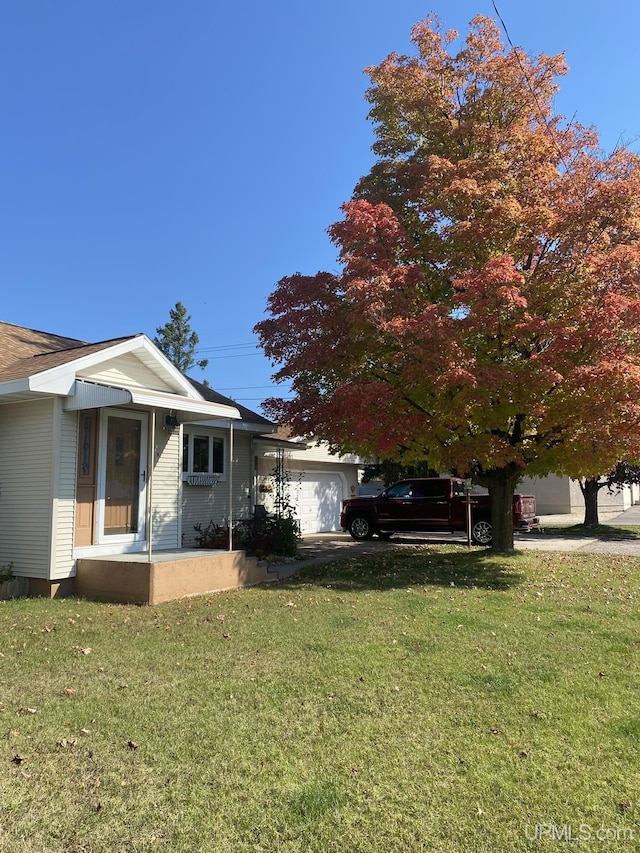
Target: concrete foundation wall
155,582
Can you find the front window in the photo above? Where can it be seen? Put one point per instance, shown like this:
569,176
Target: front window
202,454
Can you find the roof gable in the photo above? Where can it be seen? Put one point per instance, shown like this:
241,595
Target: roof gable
51,363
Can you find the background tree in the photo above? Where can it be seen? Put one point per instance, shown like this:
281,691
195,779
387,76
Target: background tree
486,312
178,342
391,470
624,474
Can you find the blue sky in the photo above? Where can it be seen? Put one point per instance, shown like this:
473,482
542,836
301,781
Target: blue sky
153,150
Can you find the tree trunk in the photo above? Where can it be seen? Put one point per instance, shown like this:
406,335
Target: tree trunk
502,484
590,488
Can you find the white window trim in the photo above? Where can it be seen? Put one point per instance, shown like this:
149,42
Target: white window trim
190,474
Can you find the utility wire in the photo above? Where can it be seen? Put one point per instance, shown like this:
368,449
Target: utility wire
516,53
227,346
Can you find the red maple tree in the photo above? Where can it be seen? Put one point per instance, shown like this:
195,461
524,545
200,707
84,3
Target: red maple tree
486,314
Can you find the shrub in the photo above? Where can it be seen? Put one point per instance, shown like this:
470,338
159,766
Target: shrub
260,536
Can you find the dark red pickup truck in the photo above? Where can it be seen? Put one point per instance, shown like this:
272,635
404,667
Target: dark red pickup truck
435,503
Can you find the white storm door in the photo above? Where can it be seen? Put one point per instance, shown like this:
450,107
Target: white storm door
123,476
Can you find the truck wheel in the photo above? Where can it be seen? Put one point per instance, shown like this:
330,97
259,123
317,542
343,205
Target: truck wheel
360,528
482,532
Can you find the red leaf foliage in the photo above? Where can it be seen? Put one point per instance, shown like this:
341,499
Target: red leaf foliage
487,311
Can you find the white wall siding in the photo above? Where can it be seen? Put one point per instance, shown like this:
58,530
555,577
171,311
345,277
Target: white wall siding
125,370
26,473
202,504
558,495
319,452
553,493
166,485
64,492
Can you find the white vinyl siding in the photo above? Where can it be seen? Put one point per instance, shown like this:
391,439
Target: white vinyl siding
64,493
26,476
202,504
165,489
128,371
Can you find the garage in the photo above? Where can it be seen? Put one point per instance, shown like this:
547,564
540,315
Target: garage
318,499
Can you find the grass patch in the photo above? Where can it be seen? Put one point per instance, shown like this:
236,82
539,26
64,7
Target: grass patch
429,699
602,531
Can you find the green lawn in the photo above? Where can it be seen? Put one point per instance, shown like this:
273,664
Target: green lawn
432,699
602,531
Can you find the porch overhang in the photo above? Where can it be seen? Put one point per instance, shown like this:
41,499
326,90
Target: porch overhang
90,395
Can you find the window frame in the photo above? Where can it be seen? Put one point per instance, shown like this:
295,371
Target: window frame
188,437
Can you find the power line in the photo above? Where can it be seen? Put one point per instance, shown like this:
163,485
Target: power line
244,387
226,347
536,100
231,355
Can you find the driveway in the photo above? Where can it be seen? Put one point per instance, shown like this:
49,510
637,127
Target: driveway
323,547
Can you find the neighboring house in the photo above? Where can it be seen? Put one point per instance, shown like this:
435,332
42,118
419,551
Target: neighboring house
558,495
108,457
318,480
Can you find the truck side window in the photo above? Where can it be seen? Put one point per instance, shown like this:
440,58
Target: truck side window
434,489
400,490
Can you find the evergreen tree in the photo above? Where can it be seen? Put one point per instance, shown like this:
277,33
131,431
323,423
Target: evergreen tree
177,340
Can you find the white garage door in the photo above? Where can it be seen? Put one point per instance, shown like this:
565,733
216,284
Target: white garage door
319,499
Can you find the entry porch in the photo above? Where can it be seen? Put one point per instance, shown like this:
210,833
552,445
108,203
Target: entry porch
168,575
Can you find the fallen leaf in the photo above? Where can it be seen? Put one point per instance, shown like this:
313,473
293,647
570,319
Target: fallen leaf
66,742
69,691
132,744
18,760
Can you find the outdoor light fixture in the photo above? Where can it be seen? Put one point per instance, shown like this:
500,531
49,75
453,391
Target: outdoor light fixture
170,423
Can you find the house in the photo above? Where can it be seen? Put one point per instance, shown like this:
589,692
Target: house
108,457
204,455
317,480
556,495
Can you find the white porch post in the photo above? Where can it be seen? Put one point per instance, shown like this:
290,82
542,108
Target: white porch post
230,485
150,458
